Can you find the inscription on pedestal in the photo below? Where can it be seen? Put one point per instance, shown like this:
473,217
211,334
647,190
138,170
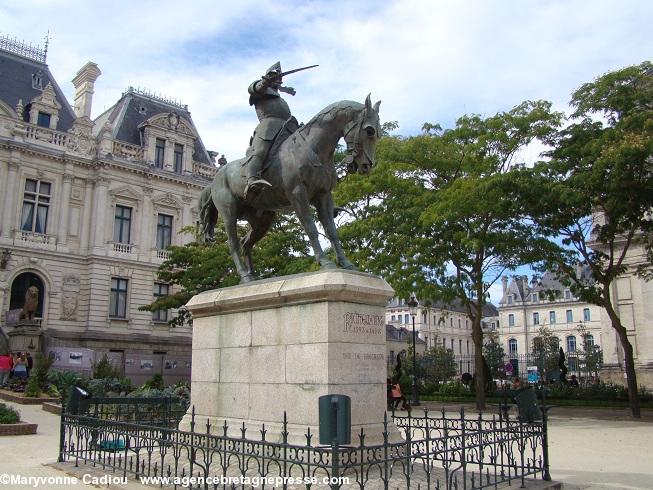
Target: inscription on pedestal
363,323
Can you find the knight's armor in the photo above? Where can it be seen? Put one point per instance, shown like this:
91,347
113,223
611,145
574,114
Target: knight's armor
272,112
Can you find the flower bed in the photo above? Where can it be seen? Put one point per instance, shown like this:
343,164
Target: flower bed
25,400
18,429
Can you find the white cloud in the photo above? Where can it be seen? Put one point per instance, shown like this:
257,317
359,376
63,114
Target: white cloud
427,60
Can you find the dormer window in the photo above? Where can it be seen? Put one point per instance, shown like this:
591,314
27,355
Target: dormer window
43,119
179,158
510,299
535,297
37,80
159,153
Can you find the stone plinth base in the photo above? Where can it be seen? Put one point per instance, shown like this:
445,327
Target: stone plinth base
25,336
274,346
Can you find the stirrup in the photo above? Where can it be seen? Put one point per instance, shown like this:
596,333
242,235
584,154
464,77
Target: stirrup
256,186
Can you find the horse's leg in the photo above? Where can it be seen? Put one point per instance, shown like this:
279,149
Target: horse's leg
259,226
300,204
229,214
324,206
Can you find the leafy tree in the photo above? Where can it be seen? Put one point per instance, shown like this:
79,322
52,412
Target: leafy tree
198,267
494,355
546,350
593,199
432,217
438,364
591,356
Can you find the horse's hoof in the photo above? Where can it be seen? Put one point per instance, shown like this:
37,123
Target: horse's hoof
247,278
327,264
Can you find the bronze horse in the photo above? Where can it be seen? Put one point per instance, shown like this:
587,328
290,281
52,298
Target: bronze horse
302,173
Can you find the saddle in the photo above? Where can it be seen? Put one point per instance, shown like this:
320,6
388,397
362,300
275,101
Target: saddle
289,127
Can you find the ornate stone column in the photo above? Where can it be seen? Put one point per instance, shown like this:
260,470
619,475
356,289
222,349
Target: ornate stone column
62,234
98,219
87,225
146,240
187,218
11,191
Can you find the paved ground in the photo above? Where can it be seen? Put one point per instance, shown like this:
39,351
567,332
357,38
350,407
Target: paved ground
589,449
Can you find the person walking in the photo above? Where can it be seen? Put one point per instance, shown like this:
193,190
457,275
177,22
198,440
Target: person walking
398,396
20,366
6,364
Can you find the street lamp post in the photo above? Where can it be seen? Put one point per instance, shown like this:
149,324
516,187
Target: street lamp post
412,304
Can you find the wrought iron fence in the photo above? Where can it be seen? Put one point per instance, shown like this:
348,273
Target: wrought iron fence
437,452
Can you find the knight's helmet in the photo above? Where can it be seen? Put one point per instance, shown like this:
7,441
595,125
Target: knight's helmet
274,69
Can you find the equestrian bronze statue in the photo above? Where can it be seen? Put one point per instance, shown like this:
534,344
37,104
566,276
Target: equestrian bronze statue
297,172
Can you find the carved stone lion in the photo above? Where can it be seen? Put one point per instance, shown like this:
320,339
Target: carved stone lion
31,303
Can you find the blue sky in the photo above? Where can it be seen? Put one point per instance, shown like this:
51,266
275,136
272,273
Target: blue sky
427,60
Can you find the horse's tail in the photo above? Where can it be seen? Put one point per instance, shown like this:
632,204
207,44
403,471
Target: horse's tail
208,216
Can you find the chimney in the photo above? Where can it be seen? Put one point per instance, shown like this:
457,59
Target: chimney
84,82
504,282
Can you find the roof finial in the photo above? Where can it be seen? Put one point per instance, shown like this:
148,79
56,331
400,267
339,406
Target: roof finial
45,50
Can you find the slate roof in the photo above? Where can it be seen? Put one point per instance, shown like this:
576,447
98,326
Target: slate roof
135,108
16,84
456,305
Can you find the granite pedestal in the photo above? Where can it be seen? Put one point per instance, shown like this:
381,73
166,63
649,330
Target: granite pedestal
273,346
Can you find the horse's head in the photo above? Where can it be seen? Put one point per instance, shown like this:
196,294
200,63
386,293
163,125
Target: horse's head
361,135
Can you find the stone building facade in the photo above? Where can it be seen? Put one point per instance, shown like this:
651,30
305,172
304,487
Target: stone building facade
527,306
88,210
442,323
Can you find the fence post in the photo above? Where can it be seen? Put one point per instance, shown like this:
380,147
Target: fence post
62,430
546,476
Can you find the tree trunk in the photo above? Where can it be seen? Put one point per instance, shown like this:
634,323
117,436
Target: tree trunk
631,377
479,367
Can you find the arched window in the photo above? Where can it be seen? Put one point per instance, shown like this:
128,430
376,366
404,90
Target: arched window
512,346
19,288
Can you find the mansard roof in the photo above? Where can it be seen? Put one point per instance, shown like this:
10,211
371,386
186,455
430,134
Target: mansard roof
135,108
16,75
456,305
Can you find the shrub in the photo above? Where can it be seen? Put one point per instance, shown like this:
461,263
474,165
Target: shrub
106,386
32,390
63,381
104,369
454,388
8,415
155,382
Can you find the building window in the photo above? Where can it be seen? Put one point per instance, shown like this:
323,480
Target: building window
570,316
179,157
160,291
589,341
467,346
451,322
536,318
159,152
444,342
567,294
511,320
571,343
406,318
510,299
586,314
43,119
392,318
535,297
122,224
451,345
163,231
400,318
552,317
36,204
118,298
466,323
512,346
460,346
459,323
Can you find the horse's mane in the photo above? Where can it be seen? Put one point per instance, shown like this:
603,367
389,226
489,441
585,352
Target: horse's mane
331,109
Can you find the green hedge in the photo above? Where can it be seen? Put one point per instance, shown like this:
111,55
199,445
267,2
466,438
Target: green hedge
8,415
